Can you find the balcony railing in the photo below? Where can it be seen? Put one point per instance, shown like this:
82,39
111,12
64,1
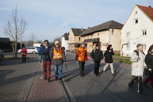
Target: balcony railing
92,40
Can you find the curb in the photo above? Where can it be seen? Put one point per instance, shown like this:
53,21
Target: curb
26,96
68,92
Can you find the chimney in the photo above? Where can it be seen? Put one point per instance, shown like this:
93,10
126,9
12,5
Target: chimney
81,29
149,6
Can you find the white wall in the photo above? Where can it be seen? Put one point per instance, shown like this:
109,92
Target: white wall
136,35
65,43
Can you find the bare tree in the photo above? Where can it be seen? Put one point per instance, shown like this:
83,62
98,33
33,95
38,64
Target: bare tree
15,28
33,38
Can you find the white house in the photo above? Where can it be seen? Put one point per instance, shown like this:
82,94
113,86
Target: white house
137,29
65,41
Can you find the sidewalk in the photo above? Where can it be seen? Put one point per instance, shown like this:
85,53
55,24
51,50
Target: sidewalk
43,91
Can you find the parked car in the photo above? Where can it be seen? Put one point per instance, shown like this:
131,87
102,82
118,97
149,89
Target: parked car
31,50
19,51
1,54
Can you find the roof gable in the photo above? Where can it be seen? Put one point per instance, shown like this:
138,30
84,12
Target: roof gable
147,10
77,31
103,26
66,36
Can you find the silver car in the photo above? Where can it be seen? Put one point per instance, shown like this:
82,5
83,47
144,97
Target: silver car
1,54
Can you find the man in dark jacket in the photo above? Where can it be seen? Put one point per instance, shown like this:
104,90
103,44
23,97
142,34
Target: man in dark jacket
97,56
45,52
58,58
109,59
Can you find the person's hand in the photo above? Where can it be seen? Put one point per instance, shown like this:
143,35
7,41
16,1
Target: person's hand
109,50
64,63
149,69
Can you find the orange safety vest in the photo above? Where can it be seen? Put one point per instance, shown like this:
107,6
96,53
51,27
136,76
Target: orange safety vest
81,54
57,55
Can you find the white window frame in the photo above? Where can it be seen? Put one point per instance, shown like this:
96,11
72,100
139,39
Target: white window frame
98,35
135,21
144,47
128,34
144,32
128,46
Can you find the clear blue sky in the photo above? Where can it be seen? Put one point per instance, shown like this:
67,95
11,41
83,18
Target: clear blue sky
49,19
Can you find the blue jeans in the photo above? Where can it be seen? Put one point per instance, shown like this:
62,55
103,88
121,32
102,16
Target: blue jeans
58,70
40,59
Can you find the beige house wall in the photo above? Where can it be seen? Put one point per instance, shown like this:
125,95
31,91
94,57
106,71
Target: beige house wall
106,37
71,37
116,40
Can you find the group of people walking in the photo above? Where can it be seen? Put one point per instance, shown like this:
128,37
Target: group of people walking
55,55
141,64
97,56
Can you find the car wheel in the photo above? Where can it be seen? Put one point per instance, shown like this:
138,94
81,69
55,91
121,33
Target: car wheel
33,52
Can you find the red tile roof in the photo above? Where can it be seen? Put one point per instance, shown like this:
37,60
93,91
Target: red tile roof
147,10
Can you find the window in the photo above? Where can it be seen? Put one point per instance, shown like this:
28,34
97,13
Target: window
136,12
144,47
84,37
79,38
98,35
128,46
112,31
144,32
136,21
71,39
91,36
128,34
87,37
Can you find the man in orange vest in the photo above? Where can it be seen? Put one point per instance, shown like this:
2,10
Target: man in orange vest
58,58
81,56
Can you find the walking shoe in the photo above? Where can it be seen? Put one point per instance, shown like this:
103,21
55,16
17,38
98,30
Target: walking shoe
142,93
131,86
60,79
45,78
56,78
104,72
48,80
113,73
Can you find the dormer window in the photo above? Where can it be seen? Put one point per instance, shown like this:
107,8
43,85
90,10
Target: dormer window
136,21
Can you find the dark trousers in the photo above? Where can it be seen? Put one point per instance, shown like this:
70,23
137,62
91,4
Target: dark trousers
96,69
23,58
46,65
135,78
81,66
150,78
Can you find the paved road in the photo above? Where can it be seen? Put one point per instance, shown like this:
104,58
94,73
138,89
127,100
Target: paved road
106,87
16,78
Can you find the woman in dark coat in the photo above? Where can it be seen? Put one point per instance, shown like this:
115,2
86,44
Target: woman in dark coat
97,56
109,59
149,63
